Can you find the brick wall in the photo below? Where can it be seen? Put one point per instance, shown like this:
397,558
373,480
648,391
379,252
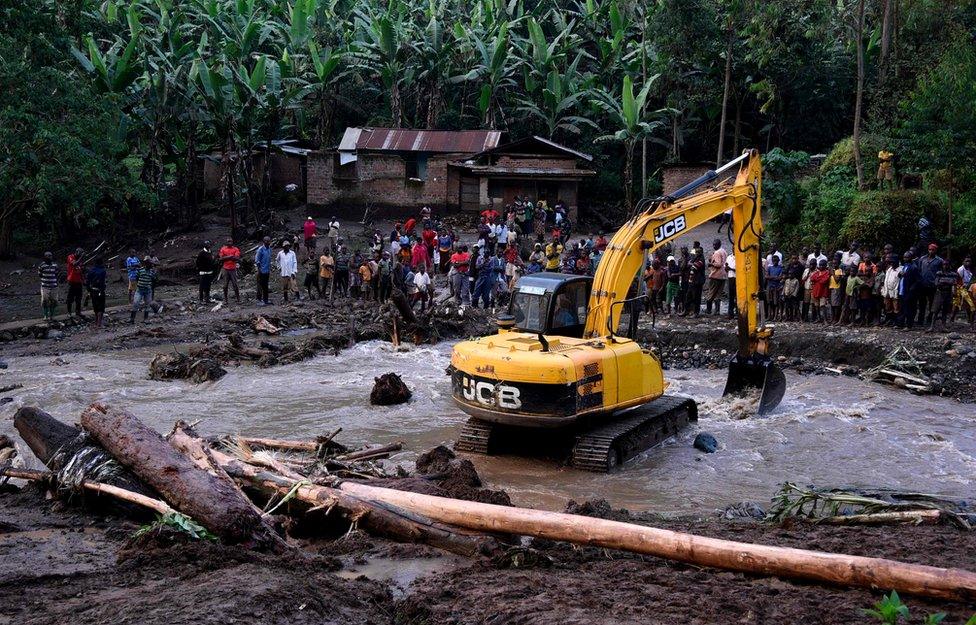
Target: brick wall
546,162
286,169
677,176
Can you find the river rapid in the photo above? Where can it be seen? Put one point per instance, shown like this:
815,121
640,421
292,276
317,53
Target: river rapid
829,431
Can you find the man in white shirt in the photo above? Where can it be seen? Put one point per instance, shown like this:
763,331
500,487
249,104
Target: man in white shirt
850,257
421,280
717,274
333,233
288,263
817,255
730,270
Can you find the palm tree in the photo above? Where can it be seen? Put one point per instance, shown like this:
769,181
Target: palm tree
625,113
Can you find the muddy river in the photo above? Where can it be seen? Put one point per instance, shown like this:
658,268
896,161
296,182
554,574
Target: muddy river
829,431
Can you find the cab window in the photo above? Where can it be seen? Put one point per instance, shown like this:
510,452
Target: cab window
569,310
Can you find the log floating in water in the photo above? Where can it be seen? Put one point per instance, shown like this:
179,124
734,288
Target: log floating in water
834,568
210,501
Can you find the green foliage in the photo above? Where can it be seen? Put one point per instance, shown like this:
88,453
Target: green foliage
879,217
939,118
842,154
889,610
964,222
782,194
179,523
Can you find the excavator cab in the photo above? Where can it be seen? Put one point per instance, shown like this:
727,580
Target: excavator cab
551,304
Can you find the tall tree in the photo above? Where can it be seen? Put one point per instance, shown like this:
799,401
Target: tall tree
859,98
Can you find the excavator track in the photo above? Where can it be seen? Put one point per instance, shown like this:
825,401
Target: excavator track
604,447
475,437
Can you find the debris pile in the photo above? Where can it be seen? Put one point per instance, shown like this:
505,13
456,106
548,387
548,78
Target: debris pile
388,390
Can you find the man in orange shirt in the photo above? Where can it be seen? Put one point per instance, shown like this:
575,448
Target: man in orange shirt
460,260
230,256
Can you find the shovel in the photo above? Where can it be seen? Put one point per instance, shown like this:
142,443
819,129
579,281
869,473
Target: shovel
760,372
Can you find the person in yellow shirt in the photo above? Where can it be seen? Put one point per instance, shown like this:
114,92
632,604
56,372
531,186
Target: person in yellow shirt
367,275
837,283
553,254
326,270
886,169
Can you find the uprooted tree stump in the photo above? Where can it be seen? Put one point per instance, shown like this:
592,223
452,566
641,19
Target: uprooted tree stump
389,389
178,366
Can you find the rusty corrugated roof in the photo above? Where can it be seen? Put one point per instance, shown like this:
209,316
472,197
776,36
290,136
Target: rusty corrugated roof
403,140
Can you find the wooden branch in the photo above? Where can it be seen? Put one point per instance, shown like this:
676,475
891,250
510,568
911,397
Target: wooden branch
885,518
98,487
833,568
377,518
374,452
274,443
210,501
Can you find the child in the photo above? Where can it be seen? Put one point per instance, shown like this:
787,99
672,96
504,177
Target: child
837,284
945,283
807,314
851,290
674,276
365,276
820,291
889,292
774,288
791,289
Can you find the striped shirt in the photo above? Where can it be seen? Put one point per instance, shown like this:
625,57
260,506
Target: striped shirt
144,279
49,275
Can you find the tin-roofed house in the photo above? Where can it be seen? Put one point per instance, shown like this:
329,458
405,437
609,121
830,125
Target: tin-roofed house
393,169
532,167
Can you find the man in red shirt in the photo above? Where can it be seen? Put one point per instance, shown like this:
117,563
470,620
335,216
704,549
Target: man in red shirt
459,279
75,280
419,257
601,243
490,215
308,228
230,256
429,237
409,226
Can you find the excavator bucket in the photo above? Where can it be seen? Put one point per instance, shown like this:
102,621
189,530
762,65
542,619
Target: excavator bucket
757,372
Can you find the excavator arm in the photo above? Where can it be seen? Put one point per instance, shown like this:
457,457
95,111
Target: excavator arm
735,187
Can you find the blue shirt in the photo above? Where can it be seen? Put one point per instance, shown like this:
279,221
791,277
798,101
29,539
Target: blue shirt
96,278
132,265
263,259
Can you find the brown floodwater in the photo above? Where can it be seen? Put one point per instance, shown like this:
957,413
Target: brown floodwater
829,431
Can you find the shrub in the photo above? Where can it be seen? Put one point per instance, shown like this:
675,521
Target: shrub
879,217
782,194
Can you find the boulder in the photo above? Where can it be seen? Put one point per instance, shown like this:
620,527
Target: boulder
705,442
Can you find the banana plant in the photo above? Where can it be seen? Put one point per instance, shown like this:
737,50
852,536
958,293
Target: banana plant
384,48
562,95
120,65
626,114
494,69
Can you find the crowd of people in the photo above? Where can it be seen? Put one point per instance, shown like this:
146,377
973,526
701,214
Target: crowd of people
855,286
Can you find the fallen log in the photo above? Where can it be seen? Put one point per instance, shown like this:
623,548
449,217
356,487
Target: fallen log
66,449
786,562
311,447
370,453
376,518
210,501
885,518
122,494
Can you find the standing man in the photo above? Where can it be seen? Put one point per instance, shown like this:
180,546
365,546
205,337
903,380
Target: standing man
48,271
341,270
929,267
76,281
143,296
206,268
230,256
421,280
326,271
308,229
460,260
132,265
717,275
730,272
96,289
288,263
886,170
333,233
312,274
384,269
262,262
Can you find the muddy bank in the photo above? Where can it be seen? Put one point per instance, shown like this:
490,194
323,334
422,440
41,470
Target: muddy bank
949,360
60,565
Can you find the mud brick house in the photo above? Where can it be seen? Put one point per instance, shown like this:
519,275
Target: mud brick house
288,161
677,175
391,169
394,170
533,167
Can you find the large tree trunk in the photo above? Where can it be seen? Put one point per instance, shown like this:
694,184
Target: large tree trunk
6,233
376,518
629,175
887,28
210,501
859,34
833,568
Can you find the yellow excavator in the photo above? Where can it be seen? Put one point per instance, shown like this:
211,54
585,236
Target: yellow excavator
559,373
